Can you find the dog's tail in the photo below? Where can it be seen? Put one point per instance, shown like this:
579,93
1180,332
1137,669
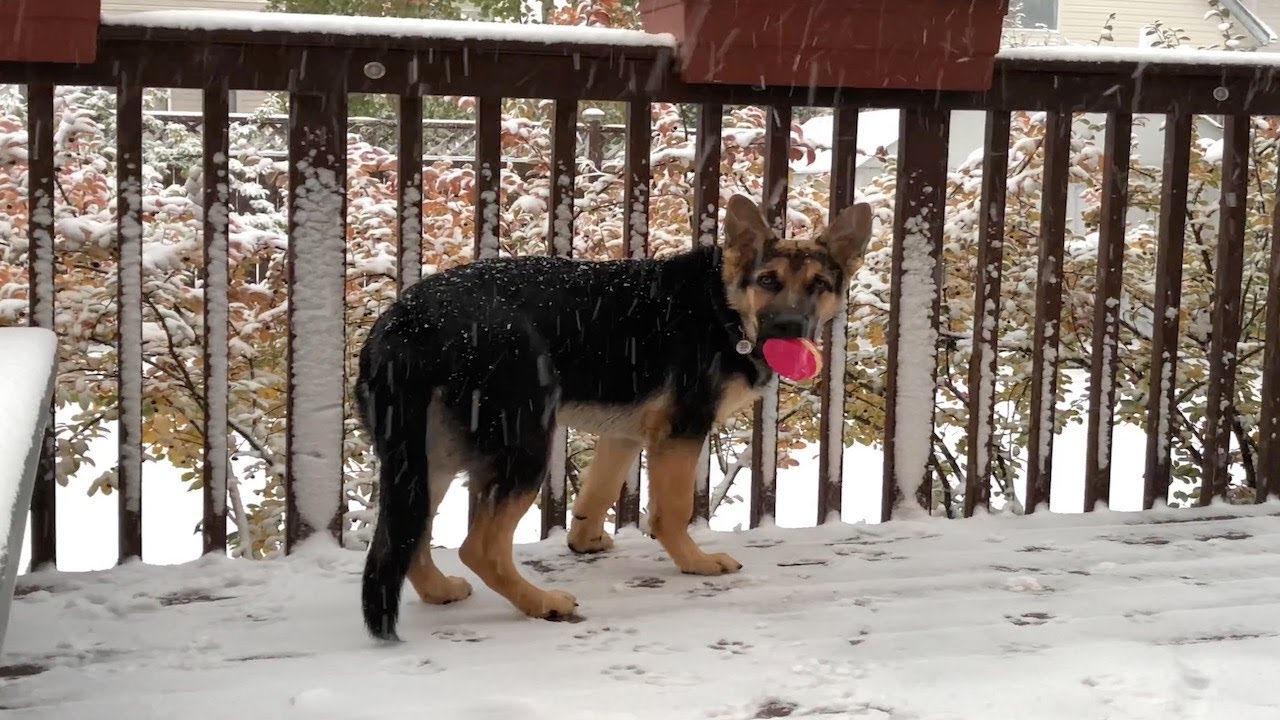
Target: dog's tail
393,398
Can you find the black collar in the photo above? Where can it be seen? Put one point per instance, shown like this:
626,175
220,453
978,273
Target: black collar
759,371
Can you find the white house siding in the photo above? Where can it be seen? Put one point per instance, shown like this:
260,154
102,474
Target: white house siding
186,100
1081,21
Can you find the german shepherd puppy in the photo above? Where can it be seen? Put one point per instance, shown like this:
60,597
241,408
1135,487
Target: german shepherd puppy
472,369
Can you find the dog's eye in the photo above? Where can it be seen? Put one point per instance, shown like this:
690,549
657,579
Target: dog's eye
820,286
769,281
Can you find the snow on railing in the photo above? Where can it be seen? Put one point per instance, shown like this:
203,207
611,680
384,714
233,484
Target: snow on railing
28,364
909,400
384,28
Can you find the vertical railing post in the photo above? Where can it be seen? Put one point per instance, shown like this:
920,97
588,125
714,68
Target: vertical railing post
831,388
488,241
704,221
764,425
914,301
986,313
216,196
1048,329
1106,309
487,222
129,231
409,195
560,218
1229,272
595,136
1161,390
1269,422
317,296
40,189
635,238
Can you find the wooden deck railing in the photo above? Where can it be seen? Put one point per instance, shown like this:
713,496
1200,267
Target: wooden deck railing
320,71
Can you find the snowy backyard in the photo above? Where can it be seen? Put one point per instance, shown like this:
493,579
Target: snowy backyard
1109,615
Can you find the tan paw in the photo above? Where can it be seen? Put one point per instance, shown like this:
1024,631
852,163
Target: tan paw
583,542
451,590
713,564
550,605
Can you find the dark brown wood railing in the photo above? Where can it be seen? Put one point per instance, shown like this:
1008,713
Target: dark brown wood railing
319,71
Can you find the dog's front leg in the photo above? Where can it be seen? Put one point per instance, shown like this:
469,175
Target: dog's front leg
673,467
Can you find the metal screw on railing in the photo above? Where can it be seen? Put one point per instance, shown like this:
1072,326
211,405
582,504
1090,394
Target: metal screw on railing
375,70
1221,93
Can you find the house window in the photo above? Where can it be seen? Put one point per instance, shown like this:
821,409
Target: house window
1036,13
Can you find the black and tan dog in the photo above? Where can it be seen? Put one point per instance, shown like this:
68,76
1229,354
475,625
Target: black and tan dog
472,369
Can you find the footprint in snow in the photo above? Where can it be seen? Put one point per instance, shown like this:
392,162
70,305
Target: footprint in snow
460,635
729,648
410,665
657,648
635,673
604,637
1031,618
860,638
646,582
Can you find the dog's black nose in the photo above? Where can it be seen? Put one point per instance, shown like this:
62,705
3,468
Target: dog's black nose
786,326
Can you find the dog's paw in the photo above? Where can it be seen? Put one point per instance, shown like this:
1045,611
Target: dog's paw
451,590
713,564
551,605
585,543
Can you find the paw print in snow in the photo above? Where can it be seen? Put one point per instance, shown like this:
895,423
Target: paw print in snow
646,582
597,638
624,672
635,673
460,635
728,648
1031,618
410,665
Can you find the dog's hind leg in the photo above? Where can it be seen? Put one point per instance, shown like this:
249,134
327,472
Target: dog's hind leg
433,586
614,457
507,398
488,552
673,466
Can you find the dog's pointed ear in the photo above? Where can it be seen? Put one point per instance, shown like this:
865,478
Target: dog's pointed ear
745,231
847,236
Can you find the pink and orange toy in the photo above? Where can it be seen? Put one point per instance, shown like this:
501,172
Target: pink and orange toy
793,358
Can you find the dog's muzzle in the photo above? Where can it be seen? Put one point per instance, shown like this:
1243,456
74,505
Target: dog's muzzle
786,326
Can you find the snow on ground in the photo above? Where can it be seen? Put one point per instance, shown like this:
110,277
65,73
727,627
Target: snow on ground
1109,615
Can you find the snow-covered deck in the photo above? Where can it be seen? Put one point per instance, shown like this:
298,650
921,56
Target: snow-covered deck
1169,615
